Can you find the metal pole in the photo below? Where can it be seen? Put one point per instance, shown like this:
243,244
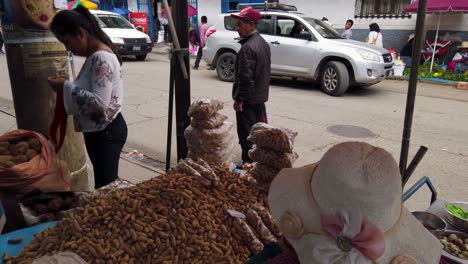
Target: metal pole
170,114
435,42
175,38
414,163
182,84
413,81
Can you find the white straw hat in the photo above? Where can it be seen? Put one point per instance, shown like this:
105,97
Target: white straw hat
347,208
464,45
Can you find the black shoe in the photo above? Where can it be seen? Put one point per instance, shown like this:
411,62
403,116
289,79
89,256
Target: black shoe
195,68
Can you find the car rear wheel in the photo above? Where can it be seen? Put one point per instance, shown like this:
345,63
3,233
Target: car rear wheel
141,57
335,78
225,66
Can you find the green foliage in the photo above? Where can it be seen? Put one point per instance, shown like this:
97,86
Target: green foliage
437,72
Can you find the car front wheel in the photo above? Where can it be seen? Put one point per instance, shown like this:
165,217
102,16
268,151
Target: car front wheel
335,78
225,66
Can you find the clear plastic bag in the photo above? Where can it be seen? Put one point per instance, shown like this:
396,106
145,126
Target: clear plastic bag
204,108
271,158
263,173
213,121
206,136
211,146
248,235
264,176
260,228
223,157
269,137
268,219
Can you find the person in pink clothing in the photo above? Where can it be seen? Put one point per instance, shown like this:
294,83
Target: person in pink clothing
203,29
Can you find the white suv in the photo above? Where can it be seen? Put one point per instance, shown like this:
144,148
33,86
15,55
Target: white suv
301,47
127,39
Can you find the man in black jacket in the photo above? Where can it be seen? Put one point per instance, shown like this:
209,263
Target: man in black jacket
252,77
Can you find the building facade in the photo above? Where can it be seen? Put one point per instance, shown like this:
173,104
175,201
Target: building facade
395,25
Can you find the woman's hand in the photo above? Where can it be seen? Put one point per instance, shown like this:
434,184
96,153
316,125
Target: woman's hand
56,82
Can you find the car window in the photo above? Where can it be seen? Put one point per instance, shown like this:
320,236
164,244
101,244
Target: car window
263,26
111,21
289,27
324,29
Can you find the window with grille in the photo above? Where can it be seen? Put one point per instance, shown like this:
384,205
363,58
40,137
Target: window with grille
381,8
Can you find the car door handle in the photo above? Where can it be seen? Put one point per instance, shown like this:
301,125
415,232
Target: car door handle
275,43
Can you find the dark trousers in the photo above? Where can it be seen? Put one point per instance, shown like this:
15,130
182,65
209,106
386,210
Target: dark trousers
104,148
1,41
250,115
199,57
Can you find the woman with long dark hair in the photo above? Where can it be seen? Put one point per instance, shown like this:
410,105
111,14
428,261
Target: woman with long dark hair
95,97
374,37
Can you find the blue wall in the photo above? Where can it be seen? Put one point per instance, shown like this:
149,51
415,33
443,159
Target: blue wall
227,5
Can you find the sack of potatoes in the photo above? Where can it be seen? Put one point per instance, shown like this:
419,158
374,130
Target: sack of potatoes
18,151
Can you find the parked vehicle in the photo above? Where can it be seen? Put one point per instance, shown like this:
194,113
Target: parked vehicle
127,39
301,47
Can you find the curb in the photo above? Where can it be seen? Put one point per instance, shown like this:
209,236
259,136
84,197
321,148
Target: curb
426,80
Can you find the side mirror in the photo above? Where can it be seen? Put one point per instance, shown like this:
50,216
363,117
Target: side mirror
305,35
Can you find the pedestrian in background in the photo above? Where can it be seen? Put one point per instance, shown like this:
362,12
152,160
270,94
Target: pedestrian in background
1,38
251,77
194,42
348,33
203,29
95,97
460,60
374,37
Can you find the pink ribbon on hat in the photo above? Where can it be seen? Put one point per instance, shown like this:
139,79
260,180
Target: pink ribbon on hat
369,241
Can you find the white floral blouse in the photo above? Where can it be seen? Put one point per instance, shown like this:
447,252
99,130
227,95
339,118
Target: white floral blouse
95,97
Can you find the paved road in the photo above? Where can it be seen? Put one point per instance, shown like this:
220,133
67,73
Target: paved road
440,120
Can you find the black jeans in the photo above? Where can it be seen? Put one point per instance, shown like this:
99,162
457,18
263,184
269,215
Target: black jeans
250,115
199,57
104,148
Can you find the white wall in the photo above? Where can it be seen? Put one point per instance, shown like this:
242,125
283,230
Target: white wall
132,5
209,8
338,11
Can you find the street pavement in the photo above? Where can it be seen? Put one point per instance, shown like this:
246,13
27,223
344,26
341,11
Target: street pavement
440,121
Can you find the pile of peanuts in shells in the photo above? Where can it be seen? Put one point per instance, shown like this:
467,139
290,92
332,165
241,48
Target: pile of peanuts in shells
173,218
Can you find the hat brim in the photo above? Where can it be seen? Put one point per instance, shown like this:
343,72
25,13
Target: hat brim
288,191
236,16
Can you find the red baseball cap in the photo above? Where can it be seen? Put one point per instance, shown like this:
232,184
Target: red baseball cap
249,13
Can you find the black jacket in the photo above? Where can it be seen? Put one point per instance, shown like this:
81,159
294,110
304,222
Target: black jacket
252,71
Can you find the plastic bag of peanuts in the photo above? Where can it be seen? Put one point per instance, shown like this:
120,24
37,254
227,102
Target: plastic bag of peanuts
211,122
204,108
269,137
273,159
260,228
208,136
246,232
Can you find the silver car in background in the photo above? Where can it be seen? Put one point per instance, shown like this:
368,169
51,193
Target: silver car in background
301,47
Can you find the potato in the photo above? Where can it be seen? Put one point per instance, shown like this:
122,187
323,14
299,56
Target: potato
31,153
4,151
21,159
35,144
19,148
4,144
7,164
6,158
